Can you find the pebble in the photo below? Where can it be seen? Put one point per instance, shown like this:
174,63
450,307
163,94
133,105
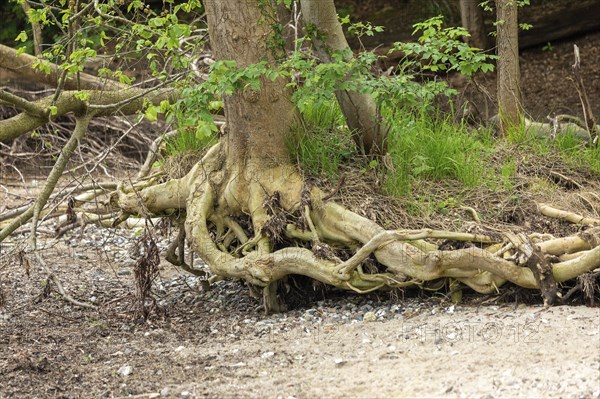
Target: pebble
370,316
339,362
125,371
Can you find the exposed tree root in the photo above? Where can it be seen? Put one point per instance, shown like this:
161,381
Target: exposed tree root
567,216
293,231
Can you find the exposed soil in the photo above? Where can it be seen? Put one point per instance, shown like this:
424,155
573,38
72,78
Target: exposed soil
219,343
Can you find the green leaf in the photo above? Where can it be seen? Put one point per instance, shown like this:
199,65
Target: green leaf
151,113
22,37
53,110
82,95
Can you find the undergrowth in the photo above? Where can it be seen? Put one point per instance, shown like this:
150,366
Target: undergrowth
569,147
425,145
185,142
433,162
321,143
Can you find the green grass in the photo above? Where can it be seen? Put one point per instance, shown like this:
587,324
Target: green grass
426,146
186,142
321,143
569,146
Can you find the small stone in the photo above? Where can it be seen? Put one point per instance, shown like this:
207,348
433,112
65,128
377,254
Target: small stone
185,394
267,355
370,316
339,362
125,371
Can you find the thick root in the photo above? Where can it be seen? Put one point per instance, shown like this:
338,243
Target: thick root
291,230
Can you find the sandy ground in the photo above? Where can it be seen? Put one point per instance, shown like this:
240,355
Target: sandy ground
219,343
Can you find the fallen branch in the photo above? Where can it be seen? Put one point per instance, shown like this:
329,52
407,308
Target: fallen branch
104,103
22,65
57,170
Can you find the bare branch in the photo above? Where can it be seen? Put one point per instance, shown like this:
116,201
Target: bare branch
27,106
105,103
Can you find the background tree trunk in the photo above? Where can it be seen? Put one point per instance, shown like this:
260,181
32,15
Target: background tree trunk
257,120
509,86
359,109
472,20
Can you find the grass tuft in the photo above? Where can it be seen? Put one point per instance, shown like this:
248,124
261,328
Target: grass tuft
322,143
433,147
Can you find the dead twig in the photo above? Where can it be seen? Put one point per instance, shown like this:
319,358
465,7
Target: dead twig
58,284
588,115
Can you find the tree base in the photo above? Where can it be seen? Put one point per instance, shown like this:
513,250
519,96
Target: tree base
264,223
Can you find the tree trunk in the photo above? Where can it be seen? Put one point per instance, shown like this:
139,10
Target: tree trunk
360,110
257,121
472,20
509,86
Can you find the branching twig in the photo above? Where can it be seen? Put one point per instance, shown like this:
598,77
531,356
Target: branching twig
34,210
52,277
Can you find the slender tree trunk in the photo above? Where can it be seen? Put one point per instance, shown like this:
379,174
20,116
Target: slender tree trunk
360,110
509,86
472,20
257,120
36,30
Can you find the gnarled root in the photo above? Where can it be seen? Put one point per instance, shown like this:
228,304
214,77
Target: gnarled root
264,225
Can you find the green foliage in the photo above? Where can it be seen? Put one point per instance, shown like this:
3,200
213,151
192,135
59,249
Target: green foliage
440,49
525,26
488,4
116,32
186,142
507,171
568,146
360,29
548,47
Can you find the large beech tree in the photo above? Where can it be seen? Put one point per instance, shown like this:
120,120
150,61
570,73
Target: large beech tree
249,213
